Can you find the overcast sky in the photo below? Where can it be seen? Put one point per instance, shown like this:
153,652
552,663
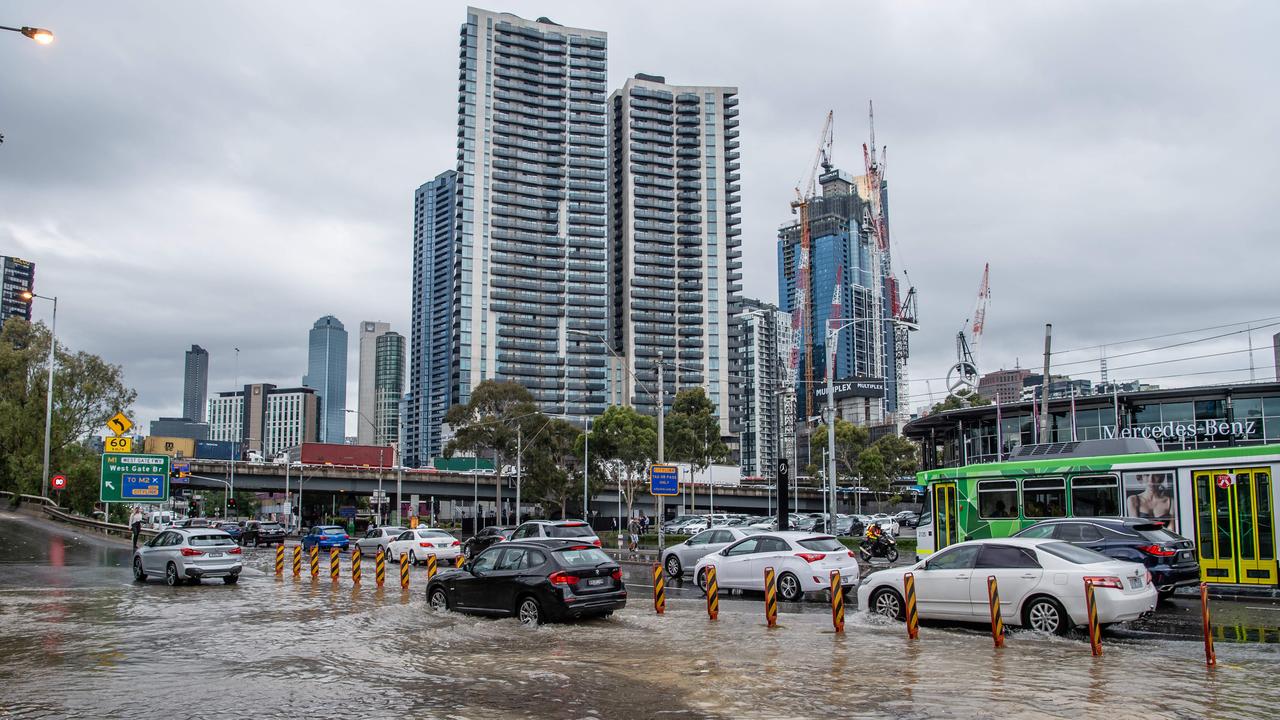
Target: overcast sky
226,173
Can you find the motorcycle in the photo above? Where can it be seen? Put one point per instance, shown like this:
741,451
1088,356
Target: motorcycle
883,546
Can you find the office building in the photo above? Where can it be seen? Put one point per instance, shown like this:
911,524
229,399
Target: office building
532,208
327,375
273,420
366,396
195,384
388,387
764,388
180,428
19,277
432,356
675,255
1003,385
1275,348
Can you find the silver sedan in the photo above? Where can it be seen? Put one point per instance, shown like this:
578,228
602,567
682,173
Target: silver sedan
379,537
679,558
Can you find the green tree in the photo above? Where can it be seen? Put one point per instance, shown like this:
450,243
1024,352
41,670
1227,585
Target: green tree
486,426
628,440
552,463
885,460
851,440
961,399
692,431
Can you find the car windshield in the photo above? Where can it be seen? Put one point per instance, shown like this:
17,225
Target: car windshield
569,530
580,556
825,544
1073,553
433,534
208,540
333,531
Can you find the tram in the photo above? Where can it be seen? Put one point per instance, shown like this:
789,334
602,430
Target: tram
1221,498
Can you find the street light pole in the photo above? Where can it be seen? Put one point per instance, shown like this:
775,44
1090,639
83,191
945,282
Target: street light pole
662,415
48,395
586,442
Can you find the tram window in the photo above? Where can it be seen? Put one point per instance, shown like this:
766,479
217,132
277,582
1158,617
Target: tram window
1044,497
1097,496
998,499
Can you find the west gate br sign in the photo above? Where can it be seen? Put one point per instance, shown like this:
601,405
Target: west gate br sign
132,477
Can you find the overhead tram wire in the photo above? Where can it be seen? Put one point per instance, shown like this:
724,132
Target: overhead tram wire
1165,335
1091,361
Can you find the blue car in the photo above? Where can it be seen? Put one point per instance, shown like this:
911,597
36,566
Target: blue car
326,536
231,528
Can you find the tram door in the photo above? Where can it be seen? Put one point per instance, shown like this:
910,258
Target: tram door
1235,531
946,521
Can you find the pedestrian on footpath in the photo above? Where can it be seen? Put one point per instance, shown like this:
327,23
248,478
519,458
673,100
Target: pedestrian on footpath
635,534
135,524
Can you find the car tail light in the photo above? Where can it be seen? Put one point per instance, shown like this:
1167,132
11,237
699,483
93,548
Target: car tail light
1104,581
851,554
617,574
235,550
191,552
811,557
596,542
1157,551
581,547
456,543
560,577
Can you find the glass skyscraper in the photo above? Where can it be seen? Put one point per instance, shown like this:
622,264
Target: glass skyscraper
388,387
195,383
327,374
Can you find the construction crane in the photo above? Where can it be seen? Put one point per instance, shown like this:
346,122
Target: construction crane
801,319
964,374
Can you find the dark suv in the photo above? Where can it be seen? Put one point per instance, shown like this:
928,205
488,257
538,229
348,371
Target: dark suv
262,533
485,538
1169,557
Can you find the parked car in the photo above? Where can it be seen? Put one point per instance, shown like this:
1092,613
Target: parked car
378,537
189,554
196,522
1041,585
887,523
535,580
231,528
564,529
849,526
325,537
907,518
1169,557
486,538
675,522
418,543
693,527
802,562
681,557
260,532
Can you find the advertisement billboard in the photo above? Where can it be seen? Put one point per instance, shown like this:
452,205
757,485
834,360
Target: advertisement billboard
172,446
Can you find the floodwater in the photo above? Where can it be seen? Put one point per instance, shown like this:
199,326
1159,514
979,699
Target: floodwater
79,639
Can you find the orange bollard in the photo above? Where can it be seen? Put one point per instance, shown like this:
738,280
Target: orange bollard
380,567
659,590
460,560
997,622
315,561
770,598
404,571
334,553
837,602
1095,632
431,566
297,560
713,594
913,618
1210,658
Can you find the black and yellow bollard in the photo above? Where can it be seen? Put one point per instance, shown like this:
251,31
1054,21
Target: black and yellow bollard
297,560
770,598
280,560
713,594
380,567
913,618
1210,658
460,560
315,562
997,622
355,564
659,590
837,602
404,571
431,566
1095,631
333,563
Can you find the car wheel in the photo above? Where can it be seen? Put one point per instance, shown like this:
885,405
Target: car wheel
891,554
138,574
413,559
1046,615
702,580
171,575
529,611
231,579
789,589
673,566
439,599
886,602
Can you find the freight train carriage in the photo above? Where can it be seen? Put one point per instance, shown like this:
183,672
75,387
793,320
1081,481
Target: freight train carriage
1222,498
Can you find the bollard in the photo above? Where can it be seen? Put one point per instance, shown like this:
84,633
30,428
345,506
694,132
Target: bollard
280,560
837,602
355,564
315,561
1210,658
1095,632
380,567
770,598
333,563
460,560
297,560
431,566
659,590
404,571
713,593
997,622
913,619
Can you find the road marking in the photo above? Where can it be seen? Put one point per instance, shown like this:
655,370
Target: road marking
1257,607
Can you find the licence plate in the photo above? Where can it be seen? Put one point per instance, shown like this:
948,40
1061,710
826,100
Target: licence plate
1135,582
595,582
214,555
1184,555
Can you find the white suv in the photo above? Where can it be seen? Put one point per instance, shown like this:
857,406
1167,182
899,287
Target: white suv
559,529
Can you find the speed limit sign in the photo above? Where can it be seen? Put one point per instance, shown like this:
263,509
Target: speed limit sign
59,482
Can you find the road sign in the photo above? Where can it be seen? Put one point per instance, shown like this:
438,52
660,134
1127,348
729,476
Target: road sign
347,512
58,482
128,477
1225,480
119,424
117,445
664,480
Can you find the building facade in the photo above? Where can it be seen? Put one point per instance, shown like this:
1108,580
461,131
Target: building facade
180,428
433,360
1003,385
532,206
675,256
764,390
195,384
19,276
388,387
327,375
367,398
273,420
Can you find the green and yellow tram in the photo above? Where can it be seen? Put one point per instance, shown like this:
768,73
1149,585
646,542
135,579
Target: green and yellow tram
1221,498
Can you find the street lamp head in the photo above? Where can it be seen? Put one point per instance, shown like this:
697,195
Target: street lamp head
27,295
40,35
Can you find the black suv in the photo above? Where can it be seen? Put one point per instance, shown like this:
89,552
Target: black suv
485,538
262,533
534,580
1171,558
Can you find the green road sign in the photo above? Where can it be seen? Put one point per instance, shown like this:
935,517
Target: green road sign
133,477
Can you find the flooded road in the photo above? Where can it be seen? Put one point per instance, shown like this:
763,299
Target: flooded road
79,639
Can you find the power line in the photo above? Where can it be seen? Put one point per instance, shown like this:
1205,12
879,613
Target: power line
1167,347
1165,335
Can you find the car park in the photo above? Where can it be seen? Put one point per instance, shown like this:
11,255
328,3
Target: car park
325,537
486,538
534,580
1041,585
562,529
675,522
377,538
681,557
907,518
258,532
419,543
802,563
190,555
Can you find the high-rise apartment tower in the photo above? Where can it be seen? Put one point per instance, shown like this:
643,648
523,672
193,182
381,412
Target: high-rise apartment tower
327,374
195,383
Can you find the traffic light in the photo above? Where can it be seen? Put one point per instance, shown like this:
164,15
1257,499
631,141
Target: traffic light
231,503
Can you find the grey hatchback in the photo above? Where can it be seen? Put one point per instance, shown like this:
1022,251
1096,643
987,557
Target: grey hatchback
189,554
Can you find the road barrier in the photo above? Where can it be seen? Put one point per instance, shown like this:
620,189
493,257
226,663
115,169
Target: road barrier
315,561
297,560
1210,658
770,598
837,602
460,560
1095,631
380,567
913,618
997,622
659,590
404,571
355,564
280,560
713,593
431,566
334,552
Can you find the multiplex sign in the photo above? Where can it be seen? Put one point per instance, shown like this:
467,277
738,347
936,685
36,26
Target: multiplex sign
852,387
1203,429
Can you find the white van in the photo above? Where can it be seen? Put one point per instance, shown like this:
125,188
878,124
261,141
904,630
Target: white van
160,519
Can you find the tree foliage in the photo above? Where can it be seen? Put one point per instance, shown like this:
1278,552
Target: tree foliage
553,463
487,425
628,440
888,458
961,399
692,432
851,440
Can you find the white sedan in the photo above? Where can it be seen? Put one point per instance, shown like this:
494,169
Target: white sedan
1041,584
421,542
802,562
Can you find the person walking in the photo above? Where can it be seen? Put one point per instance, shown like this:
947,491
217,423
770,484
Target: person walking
635,534
135,524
